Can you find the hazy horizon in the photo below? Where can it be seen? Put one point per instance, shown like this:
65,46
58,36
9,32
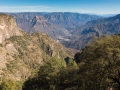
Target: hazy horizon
99,7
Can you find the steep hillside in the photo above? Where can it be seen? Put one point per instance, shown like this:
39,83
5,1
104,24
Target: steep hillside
8,27
40,24
65,20
100,27
100,64
59,25
23,20
21,54
69,20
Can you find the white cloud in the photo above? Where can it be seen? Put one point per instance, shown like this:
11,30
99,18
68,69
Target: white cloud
83,11
23,8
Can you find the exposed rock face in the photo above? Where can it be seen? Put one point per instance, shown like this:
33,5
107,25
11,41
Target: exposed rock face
104,26
58,25
64,20
8,27
69,20
40,24
22,53
68,28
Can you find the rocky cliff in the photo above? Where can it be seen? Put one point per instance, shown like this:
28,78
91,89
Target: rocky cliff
8,27
21,53
40,24
104,26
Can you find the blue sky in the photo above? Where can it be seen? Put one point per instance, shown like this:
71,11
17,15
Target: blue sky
80,6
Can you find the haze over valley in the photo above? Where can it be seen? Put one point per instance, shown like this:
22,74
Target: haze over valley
73,30
60,45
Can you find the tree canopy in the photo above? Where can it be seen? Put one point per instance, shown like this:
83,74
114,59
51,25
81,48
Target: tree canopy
55,74
99,64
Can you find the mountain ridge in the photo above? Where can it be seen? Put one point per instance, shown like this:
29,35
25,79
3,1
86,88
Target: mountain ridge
21,54
100,27
61,27
8,27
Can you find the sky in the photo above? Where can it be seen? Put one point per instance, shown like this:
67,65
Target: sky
80,6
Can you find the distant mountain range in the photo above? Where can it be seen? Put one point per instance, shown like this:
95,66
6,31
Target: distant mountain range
65,20
60,26
73,30
108,15
21,53
17,46
83,34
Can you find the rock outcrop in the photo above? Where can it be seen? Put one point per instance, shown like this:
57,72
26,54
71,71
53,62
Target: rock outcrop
8,27
40,24
21,53
83,35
